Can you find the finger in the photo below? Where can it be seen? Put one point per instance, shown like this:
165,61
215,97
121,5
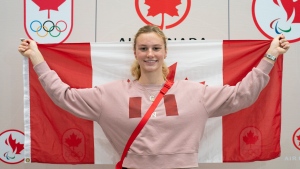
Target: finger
281,36
283,42
25,42
22,48
286,46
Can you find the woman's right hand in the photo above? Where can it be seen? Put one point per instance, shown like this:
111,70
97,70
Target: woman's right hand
29,49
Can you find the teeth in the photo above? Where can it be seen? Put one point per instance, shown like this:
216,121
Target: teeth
150,61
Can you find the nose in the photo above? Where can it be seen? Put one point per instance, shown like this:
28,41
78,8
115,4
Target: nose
150,53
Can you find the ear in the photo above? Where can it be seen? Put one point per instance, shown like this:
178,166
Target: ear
134,54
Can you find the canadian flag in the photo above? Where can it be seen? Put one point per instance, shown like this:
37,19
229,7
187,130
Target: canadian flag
55,136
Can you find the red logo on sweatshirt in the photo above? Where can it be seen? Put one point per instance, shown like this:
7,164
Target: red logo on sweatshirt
153,12
135,103
135,106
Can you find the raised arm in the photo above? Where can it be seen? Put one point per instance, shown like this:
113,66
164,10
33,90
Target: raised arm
84,103
227,99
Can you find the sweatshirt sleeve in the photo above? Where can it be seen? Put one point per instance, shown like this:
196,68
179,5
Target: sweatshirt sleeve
83,103
220,101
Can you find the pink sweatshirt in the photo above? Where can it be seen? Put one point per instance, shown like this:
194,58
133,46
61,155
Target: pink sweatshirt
171,137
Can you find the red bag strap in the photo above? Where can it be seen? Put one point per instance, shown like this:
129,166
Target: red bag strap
143,122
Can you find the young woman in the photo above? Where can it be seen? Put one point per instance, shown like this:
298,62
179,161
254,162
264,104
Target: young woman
163,141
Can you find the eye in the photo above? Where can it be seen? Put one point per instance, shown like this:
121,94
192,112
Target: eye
143,49
156,48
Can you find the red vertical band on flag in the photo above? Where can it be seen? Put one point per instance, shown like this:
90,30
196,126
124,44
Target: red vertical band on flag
135,105
253,133
170,105
56,135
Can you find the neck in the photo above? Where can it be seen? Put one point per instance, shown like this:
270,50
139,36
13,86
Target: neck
151,79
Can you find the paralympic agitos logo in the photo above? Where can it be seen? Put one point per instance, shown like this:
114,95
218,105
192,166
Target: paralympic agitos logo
48,21
273,17
12,146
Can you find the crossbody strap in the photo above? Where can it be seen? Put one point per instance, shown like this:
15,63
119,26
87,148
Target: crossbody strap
143,122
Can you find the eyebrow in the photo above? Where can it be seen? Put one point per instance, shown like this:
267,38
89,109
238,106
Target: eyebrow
152,45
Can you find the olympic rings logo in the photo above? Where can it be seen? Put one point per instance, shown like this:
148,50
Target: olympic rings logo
45,28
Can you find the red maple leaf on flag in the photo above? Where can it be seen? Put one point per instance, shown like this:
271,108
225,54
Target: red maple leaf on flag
172,73
250,138
203,82
162,7
73,141
16,147
48,5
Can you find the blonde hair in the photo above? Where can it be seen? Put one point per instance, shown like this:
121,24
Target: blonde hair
135,67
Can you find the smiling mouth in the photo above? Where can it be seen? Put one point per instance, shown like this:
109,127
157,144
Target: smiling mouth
150,61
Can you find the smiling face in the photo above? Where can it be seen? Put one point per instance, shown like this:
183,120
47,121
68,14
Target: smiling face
150,52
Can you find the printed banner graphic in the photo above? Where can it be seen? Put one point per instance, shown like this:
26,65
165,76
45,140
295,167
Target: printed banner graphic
55,136
162,8
12,146
283,18
48,21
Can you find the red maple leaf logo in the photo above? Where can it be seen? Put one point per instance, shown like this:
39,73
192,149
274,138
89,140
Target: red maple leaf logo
73,141
16,147
162,7
298,138
250,138
48,5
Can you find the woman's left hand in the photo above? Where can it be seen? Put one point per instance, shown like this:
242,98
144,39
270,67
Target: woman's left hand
278,46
